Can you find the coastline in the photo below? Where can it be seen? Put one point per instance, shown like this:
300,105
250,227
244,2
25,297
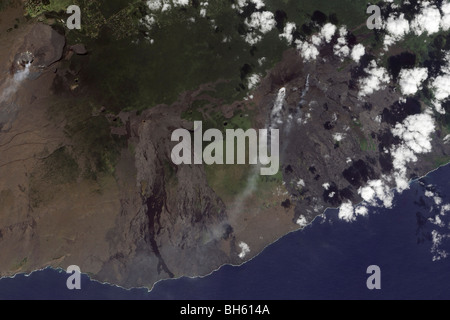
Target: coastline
149,290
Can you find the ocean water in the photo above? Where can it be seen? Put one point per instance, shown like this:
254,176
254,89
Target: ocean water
327,260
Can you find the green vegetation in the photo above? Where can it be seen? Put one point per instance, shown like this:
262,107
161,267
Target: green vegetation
36,8
228,181
351,13
96,149
20,264
54,171
132,67
420,45
142,75
60,167
440,161
134,74
5,4
368,144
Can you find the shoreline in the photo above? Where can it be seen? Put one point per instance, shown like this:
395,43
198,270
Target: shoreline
149,290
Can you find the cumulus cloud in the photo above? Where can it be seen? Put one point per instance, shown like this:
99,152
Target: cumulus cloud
245,249
396,28
302,222
437,239
338,137
376,79
410,80
241,4
165,5
327,32
347,212
377,190
301,183
415,133
154,4
361,211
307,50
341,48
288,31
259,23
441,85
445,21
428,20
253,80
357,52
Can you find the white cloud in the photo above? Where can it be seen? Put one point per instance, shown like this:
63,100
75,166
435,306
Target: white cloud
376,80
441,86
316,40
446,139
444,209
301,221
415,133
357,52
154,5
180,2
437,200
245,249
341,48
377,190
288,31
307,50
149,20
301,183
327,32
410,80
259,4
259,23
445,21
252,38
361,211
338,137
428,20
437,238
429,194
347,212
253,80
397,28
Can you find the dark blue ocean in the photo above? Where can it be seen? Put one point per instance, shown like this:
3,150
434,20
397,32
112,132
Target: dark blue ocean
327,260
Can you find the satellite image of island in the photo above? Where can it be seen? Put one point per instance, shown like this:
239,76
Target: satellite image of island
224,150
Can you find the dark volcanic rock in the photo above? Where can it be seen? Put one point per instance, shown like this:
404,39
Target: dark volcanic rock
79,49
45,44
